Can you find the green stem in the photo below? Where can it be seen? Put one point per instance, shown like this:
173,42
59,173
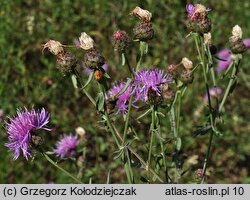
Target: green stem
127,118
202,60
231,82
152,128
63,170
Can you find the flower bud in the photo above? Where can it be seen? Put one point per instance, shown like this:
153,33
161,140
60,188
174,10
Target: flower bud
93,59
188,64
143,31
98,75
199,173
86,42
66,63
153,98
54,47
171,69
168,94
120,40
144,15
236,43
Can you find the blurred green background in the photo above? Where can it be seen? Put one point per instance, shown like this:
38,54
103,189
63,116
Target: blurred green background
30,78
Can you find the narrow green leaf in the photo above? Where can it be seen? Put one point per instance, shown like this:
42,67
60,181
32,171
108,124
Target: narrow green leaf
100,102
123,59
178,144
89,80
124,88
74,80
144,114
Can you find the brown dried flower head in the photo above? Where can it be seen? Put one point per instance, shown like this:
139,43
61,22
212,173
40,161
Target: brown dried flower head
54,47
86,42
142,14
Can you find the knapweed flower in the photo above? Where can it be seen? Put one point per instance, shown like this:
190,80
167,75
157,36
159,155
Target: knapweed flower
21,128
247,43
225,60
213,92
197,18
147,81
122,100
66,147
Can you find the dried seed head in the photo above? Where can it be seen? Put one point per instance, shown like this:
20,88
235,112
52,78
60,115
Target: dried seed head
188,64
208,39
54,47
98,75
200,8
86,42
142,14
120,40
80,131
237,32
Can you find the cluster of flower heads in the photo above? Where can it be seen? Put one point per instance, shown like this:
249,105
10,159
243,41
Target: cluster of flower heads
20,128
145,84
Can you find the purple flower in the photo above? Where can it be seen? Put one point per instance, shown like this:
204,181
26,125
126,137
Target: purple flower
66,147
247,42
87,71
225,61
215,91
190,9
123,99
150,79
19,130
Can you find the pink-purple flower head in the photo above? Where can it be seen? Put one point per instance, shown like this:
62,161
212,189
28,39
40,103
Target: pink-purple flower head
213,92
146,80
247,43
225,60
66,147
190,10
123,99
20,129
195,10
